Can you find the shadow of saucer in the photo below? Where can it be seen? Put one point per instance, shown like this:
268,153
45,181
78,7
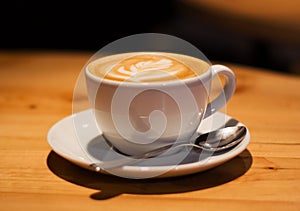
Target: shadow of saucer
111,186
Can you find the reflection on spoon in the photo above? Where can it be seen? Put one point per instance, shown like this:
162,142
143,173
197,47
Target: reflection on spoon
214,141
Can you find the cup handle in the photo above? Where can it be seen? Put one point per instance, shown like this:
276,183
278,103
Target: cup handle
227,91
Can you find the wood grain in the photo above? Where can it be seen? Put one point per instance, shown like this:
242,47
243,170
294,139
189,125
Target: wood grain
36,91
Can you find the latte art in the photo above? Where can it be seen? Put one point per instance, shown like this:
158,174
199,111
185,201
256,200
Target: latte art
147,67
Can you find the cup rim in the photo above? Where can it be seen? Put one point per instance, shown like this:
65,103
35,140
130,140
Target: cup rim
202,77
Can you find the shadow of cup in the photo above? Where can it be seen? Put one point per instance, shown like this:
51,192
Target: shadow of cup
110,186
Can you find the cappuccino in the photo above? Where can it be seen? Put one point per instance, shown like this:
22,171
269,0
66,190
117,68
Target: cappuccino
163,99
147,67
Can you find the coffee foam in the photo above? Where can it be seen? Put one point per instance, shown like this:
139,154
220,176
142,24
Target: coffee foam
146,67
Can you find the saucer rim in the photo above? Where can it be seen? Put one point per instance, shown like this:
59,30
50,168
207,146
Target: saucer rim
129,170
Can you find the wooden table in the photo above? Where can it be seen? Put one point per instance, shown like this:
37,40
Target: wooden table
36,91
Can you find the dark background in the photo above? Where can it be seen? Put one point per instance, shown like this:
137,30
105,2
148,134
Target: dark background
89,25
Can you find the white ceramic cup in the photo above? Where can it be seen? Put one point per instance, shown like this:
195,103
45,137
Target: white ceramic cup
137,117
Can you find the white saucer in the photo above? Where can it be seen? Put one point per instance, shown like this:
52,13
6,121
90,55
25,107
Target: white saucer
87,149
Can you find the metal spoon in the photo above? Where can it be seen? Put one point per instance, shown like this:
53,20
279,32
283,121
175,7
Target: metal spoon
214,141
